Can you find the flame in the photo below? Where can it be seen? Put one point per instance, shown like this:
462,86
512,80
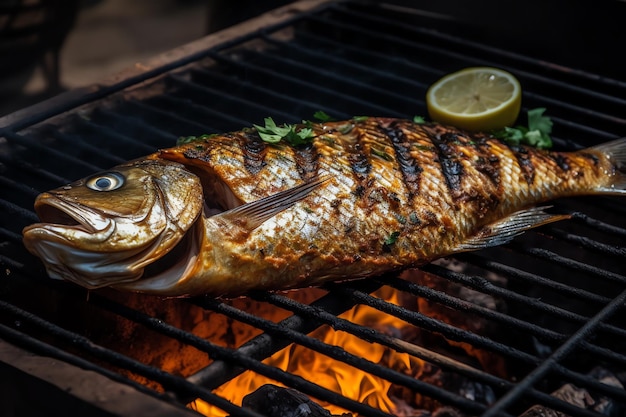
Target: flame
336,376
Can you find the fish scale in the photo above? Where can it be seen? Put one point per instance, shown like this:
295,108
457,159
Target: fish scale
361,198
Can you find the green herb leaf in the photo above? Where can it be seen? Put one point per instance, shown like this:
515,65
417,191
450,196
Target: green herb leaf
537,133
382,154
272,133
188,139
392,238
185,139
322,116
537,121
419,120
360,118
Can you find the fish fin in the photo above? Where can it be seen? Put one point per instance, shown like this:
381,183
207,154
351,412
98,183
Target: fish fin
251,215
615,151
505,230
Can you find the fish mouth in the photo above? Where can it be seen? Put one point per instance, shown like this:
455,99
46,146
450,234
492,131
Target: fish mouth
57,216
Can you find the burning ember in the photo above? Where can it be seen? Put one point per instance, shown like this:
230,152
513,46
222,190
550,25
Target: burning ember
336,376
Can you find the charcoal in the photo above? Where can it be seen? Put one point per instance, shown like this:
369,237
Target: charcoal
275,401
583,398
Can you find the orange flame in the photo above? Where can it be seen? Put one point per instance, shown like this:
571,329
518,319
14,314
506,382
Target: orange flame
336,376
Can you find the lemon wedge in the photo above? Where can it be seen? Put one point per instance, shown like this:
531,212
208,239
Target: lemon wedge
476,98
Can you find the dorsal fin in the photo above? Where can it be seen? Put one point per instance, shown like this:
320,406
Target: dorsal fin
249,216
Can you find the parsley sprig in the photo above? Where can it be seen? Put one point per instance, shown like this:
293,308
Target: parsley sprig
537,133
188,139
272,133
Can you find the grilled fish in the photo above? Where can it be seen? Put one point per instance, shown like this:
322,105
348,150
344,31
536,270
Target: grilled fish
232,213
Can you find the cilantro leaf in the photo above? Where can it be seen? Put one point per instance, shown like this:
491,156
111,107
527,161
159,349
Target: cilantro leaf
322,116
272,133
188,139
537,121
419,120
392,238
537,133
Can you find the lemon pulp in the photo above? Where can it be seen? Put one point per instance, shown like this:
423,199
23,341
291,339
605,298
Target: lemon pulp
477,98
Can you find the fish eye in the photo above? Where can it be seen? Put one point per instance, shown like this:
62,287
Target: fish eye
107,181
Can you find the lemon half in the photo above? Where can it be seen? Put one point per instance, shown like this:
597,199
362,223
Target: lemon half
477,98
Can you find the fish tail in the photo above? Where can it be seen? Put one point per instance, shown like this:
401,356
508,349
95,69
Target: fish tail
615,153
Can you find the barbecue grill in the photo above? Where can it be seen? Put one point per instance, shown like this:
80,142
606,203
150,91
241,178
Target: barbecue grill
535,326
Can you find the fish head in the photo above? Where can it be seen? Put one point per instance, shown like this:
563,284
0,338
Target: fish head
105,229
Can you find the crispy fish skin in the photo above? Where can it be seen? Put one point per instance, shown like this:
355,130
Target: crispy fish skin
384,194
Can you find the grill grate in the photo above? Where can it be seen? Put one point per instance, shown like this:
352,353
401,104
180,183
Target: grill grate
563,286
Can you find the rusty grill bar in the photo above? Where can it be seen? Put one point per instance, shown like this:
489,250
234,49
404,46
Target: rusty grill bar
565,287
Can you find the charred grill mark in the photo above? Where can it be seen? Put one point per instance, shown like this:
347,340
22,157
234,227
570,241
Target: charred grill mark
490,167
409,168
525,163
306,159
358,161
450,165
593,158
561,161
254,151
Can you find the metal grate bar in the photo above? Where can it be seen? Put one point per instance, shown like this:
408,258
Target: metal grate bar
573,264
609,355
376,21
598,224
18,186
341,355
232,356
31,343
312,53
276,96
12,209
263,346
449,331
99,130
588,243
301,83
526,60
207,113
166,115
564,350
464,58
27,167
78,143
330,76
129,124
474,309
164,378
313,41
224,95
534,279
483,285
32,144
373,336
405,63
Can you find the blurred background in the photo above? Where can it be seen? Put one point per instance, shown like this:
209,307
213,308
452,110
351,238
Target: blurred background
49,46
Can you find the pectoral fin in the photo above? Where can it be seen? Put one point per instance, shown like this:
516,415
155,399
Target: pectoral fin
251,215
505,230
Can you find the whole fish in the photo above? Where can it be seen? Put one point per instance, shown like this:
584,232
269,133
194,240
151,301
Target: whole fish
231,213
